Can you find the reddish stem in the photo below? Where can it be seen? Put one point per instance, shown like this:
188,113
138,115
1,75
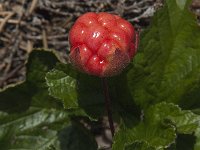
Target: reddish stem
108,105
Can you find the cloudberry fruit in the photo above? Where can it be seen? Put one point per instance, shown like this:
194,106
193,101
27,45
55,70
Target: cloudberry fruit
102,44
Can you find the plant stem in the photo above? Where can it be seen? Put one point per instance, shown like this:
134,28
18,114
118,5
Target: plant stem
108,105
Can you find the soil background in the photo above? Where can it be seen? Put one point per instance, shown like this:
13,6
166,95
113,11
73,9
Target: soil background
29,24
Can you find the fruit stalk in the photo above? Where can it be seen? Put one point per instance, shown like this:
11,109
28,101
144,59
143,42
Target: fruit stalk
108,105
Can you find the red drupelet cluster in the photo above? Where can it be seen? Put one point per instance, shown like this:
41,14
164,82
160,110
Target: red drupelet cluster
102,44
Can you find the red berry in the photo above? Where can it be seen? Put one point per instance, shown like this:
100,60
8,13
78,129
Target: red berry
102,44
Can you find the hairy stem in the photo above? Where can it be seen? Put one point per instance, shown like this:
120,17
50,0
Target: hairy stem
108,105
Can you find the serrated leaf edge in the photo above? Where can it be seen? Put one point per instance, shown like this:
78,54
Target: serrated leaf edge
67,108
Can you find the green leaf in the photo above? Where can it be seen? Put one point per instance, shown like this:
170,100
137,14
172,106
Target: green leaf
185,142
122,100
32,129
39,63
85,93
197,134
76,90
185,121
42,99
181,3
139,146
8,98
75,137
42,128
15,98
42,125
167,65
156,136
63,87
90,95
159,128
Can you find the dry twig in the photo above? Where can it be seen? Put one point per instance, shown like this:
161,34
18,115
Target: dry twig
5,20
